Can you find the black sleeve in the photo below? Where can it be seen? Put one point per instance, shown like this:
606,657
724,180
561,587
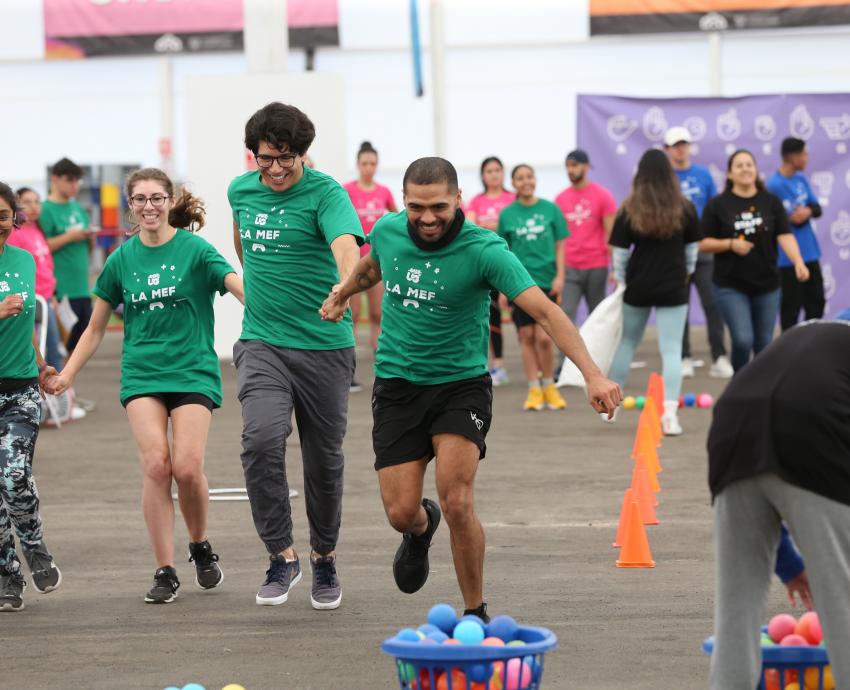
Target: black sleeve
780,217
621,234
692,229
817,211
710,223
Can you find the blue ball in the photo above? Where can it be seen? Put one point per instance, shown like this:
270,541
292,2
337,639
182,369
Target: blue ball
427,628
171,687
469,632
479,673
404,635
444,617
690,399
503,627
193,686
475,619
439,636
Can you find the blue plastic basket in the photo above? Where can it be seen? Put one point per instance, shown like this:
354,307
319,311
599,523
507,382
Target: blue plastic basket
785,659
476,661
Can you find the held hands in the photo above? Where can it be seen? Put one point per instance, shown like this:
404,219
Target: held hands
12,305
800,586
604,395
801,271
741,247
333,308
55,382
45,373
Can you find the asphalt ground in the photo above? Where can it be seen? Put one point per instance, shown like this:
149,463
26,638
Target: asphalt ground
548,494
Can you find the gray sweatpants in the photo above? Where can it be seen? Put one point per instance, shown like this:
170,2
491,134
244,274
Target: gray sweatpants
272,383
583,282
747,516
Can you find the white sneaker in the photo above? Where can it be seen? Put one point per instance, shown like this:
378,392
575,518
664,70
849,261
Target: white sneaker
670,419
687,368
721,369
77,412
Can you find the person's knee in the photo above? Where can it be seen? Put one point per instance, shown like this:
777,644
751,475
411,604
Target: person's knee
259,439
402,515
187,468
156,464
457,505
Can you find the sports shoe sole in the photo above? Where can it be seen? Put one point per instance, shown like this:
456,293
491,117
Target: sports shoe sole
205,589
533,409
326,606
48,590
549,406
170,599
9,607
276,601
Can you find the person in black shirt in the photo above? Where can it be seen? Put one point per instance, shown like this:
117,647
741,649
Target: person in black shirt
779,450
742,226
662,227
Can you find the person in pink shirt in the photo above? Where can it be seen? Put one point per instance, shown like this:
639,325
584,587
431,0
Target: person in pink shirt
484,210
371,201
30,237
589,210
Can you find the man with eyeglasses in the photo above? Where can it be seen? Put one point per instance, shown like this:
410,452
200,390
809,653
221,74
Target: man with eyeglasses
66,226
297,235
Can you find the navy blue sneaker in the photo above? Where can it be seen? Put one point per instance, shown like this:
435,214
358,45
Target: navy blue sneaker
281,576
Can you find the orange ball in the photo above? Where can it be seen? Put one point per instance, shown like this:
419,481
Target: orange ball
458,680
809,627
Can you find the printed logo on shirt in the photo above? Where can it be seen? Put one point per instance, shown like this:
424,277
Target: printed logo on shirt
533,227
580,213
161,290
748,222
261,219
415,291
371,212
690,188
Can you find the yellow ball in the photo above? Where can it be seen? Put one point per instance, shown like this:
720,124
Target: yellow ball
792,686
233,686
629,402
811,679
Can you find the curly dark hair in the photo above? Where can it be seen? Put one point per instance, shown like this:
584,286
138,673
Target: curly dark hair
280,125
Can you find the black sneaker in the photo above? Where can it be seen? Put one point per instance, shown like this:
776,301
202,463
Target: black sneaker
481,612
165,585
45,575
12,591
410,566
208,574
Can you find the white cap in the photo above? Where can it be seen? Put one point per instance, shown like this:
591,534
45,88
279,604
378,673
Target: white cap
676,134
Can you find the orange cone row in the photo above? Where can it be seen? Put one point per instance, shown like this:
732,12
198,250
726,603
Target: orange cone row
640,500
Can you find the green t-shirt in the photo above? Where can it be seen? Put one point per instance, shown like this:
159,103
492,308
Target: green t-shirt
17,276
531,233
169,325
71,263
288,264
436,307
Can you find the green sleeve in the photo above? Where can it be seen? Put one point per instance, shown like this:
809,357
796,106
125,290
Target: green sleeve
560,224
108,285
47,222
503,271
501,229
337,216
374,239
216,267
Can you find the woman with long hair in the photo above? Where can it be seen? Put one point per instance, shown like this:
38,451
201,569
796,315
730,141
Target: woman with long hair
371,201
535,231
167,278
655,243
22,368
484,210
742,226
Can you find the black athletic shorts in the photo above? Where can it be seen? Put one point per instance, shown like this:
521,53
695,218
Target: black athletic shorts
408,415
521,318
172,400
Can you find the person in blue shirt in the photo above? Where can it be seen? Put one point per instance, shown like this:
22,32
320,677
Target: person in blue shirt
698,187
791,186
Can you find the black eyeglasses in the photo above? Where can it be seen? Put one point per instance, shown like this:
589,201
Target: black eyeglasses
140,200
287,160
7,217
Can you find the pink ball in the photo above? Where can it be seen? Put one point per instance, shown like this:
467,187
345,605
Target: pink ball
809,627
519,675
794,640
781,626
704,401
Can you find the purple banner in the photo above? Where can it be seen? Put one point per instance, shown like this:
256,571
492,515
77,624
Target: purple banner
616,131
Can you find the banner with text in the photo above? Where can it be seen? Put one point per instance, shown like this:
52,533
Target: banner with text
615,131
90,28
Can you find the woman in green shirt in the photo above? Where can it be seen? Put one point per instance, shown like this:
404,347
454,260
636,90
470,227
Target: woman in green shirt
167,278
535,231
21,368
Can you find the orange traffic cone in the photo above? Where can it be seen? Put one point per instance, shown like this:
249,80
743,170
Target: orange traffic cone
635,552
651,474
628,497
652,418
643,495
655,390
645,447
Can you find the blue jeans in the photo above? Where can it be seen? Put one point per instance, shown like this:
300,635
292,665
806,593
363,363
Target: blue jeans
671,326
751,320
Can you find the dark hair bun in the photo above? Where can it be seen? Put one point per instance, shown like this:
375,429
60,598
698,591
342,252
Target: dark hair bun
367,146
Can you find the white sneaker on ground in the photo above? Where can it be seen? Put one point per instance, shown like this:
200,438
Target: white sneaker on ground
721,369
77,412
687,368
670,419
